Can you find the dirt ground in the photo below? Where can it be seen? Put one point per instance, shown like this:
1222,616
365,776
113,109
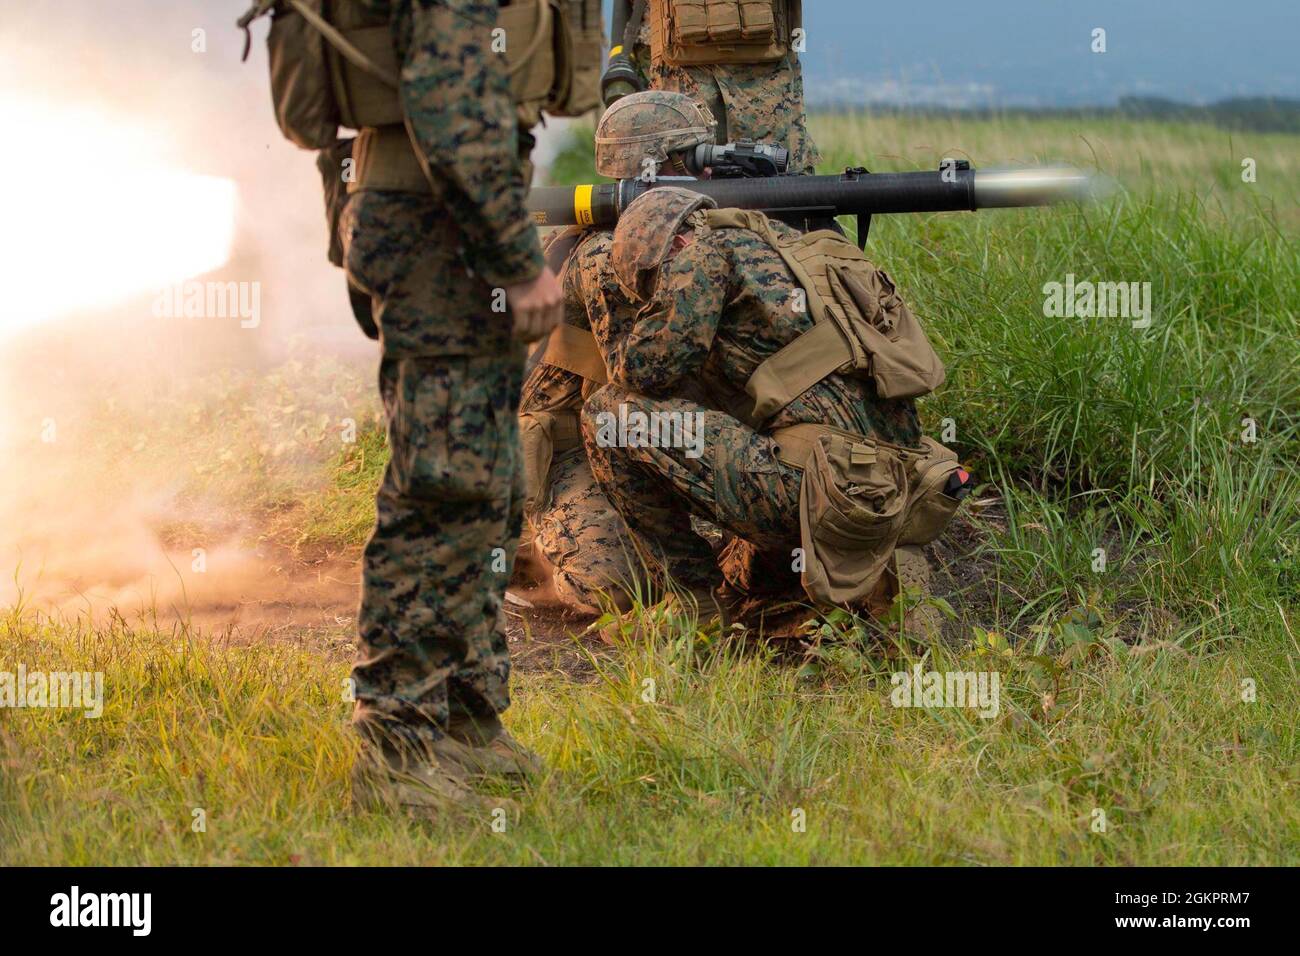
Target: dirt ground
248,597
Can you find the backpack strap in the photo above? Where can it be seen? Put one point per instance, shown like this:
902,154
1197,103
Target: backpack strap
817,352
634,20
797,367
258,9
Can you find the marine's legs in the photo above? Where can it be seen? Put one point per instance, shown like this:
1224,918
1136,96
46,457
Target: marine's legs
435,568
719,469
449,510
584,538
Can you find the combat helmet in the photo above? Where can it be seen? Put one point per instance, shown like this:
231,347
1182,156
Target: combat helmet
645,232
650,125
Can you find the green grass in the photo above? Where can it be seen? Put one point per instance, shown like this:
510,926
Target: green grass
1123,686
713,767
338,513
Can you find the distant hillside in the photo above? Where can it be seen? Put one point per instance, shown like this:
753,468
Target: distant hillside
1258,114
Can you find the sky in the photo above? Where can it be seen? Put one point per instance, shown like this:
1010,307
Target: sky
1038,52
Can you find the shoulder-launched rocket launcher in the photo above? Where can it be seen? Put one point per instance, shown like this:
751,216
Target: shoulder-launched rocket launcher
954,186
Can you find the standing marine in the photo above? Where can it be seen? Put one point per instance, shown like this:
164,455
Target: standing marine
446,268
738,59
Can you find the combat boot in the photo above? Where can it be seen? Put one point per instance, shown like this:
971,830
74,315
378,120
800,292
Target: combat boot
711,605
482,747
922,622
387,777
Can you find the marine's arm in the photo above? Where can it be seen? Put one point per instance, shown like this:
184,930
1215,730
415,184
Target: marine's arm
550,388
671,336
456,97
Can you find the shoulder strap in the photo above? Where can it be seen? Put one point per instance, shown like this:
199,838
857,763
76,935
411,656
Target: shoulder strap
801,364
817,352
633,27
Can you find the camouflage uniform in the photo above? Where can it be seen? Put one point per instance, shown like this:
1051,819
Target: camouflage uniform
432,634
760,101
573,525
720,307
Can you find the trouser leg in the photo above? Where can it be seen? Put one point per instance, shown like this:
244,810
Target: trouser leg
435,568
720,470
584,539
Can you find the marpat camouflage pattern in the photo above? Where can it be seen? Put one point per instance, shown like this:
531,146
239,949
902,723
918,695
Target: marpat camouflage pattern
431,626
720,307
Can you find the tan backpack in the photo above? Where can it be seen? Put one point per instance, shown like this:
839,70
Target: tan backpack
861,325
860,497
332,66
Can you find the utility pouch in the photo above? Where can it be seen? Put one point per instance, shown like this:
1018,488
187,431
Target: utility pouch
534,31
579,45
888,342
859,500
553,54
929,508
852,507
698,32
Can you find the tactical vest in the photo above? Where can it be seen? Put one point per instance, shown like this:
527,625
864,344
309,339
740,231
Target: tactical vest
861,327
704,32
860,497
333,64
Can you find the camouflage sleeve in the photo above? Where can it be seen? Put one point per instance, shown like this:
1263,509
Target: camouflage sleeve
456,96
672,334
582,277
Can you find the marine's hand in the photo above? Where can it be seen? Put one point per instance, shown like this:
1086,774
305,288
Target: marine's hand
537,305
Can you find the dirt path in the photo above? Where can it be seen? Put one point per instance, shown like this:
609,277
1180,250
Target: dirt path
251,596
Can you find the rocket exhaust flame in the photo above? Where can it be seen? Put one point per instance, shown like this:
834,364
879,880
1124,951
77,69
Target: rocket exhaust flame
75,241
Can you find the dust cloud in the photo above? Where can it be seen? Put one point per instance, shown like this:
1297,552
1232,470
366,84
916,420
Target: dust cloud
114,404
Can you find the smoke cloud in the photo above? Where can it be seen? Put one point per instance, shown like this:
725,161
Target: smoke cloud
129,424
